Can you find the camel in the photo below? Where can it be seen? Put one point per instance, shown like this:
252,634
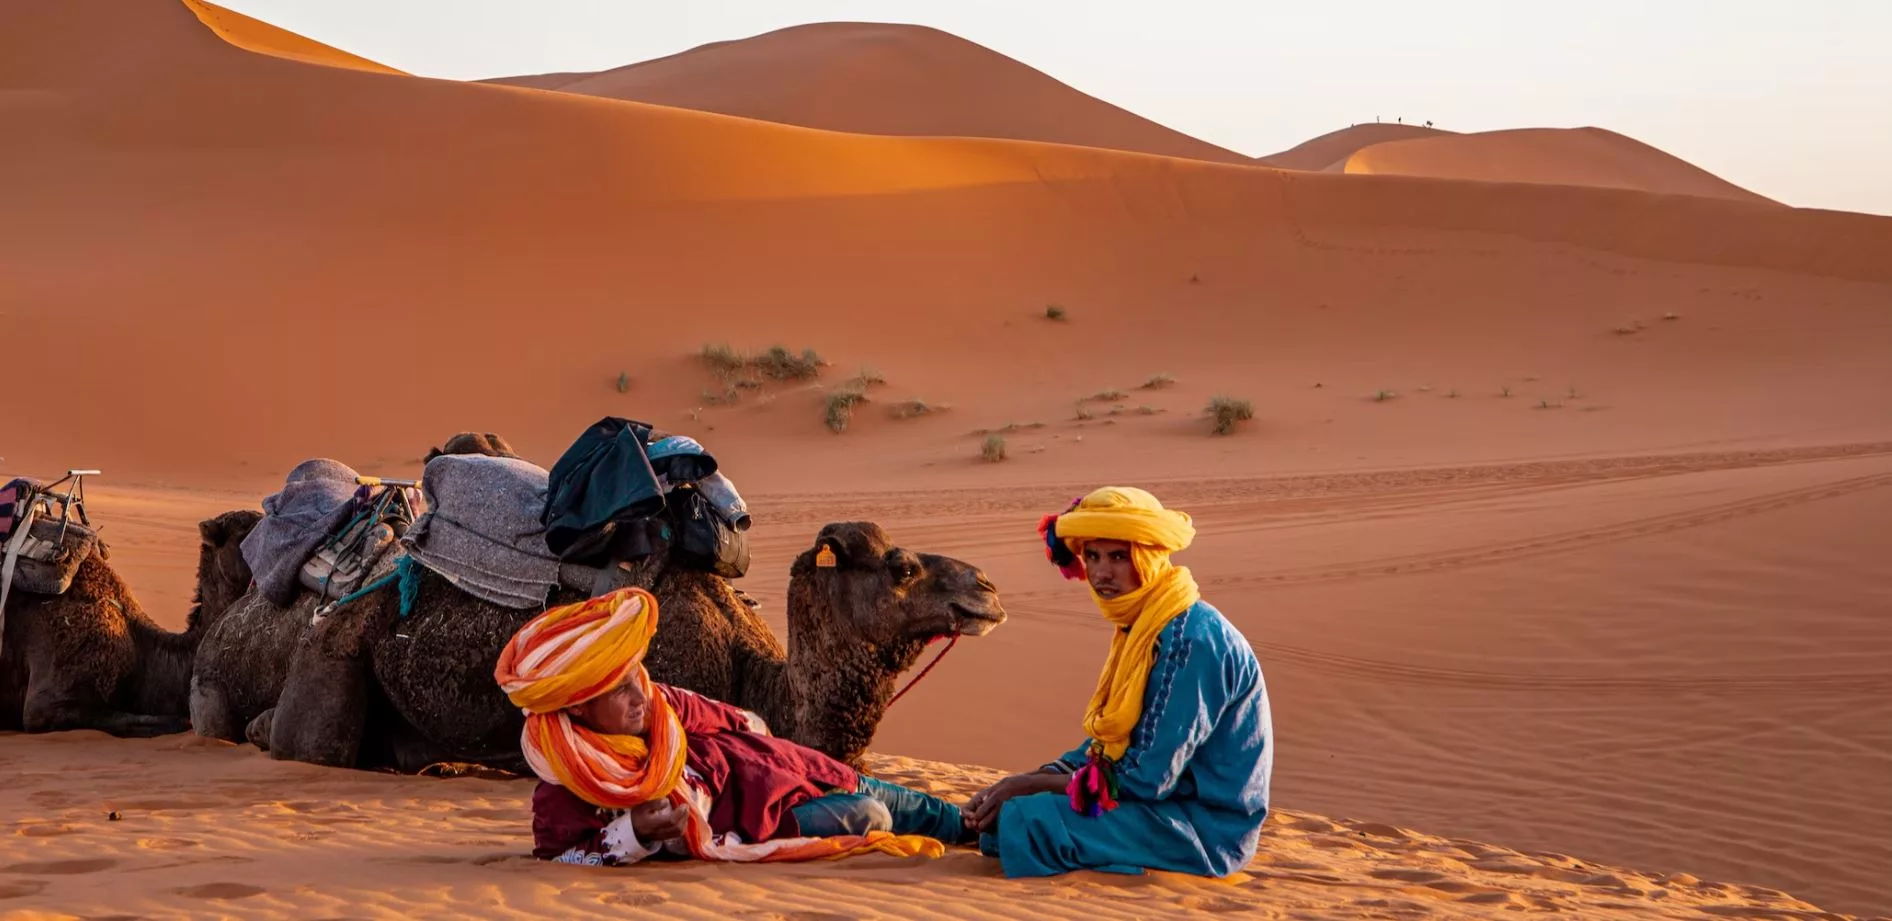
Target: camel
366,687
92,659
243,660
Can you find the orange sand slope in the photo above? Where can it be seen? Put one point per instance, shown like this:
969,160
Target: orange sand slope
1559,156
205,828
248,202
1336,146
255,35
875,78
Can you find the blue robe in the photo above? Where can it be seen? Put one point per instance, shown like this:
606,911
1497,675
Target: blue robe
1193,783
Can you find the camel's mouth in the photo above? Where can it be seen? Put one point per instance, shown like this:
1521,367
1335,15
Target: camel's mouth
977,620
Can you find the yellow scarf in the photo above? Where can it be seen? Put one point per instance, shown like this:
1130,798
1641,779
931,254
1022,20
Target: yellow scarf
1154,532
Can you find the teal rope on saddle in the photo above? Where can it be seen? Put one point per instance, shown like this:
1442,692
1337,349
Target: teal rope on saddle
404,573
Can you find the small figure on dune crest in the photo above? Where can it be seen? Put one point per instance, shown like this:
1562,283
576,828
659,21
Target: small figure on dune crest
1174,772
610,747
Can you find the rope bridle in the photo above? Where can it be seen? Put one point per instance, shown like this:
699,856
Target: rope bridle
951,638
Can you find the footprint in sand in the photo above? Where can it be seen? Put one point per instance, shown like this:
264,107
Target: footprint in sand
18,889
166,844
220,891
633,899
1219,905
1408,876
62,867
53,799
45,830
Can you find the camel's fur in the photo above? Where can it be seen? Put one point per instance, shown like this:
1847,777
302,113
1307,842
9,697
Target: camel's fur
92,659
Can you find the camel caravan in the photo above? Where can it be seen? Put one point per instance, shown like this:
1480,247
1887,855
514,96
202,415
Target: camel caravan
356,621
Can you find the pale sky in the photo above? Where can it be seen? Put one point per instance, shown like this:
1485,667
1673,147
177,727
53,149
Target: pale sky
1790,100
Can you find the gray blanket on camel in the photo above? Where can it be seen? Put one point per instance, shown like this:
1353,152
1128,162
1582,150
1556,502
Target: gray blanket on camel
314,501
481,530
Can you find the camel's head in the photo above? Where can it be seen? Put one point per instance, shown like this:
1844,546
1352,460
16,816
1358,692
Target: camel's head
222,575
488,444
888,595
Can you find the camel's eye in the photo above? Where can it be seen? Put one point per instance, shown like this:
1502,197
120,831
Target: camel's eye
902,568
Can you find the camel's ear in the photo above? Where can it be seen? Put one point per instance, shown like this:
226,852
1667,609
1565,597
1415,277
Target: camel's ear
431,454
212,531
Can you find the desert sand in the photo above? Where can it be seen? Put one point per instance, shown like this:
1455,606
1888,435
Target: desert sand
1557,528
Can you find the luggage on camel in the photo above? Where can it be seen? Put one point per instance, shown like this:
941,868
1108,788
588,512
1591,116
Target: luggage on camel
680,460
45,535
315,501
482,530
704,540
603,482
381,511
43,545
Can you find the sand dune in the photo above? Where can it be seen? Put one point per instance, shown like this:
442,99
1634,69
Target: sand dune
1555,527
1559,156
875,78
1335,147
256,35
380,224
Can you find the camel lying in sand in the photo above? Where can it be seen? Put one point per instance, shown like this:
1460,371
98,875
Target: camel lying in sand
92,659
366,687
240,666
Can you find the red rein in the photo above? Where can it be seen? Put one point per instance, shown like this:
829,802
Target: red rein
950,640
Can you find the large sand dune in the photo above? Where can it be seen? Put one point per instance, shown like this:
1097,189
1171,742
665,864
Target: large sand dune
878,78
1561,156
1555,529
1336,146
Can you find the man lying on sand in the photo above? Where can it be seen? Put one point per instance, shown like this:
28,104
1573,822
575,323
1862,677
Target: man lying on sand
630,768
1175,773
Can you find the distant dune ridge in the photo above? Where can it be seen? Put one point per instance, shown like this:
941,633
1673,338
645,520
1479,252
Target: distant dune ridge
1534,414
1560,156
874,78
1336,146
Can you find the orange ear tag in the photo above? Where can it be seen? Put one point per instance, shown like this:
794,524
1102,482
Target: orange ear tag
824,558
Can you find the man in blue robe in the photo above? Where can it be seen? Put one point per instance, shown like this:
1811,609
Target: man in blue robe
1174,772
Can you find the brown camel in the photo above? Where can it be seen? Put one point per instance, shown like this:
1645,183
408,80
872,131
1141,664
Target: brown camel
244,658
368,688
92,659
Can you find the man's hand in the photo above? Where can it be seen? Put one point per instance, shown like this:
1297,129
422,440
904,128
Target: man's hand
659,820
983,809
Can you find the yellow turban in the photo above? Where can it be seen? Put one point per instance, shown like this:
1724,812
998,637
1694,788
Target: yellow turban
1129,514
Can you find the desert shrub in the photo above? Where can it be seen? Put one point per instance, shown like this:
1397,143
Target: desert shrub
781,364
839,408
1225,412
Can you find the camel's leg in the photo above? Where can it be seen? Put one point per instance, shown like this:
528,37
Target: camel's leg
211,714
48,713
58,704
257,732
322,713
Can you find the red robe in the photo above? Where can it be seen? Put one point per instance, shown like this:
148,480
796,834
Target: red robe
753,781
